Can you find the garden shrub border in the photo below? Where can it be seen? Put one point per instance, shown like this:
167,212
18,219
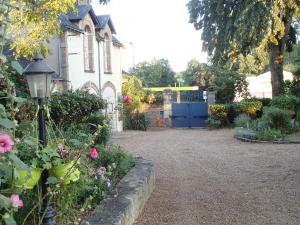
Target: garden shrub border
128,198
264,142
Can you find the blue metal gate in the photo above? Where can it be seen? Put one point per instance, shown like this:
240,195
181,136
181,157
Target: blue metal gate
192,114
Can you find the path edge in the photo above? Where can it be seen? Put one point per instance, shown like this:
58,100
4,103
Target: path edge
131,194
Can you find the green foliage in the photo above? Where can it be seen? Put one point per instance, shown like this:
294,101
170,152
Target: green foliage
292,59
268,134
214,123
197,73
227,35
249,107
115,155
232,111
99,125
137,121
156,73
132,87
217,116
277,119
227,84
72,106
242,120
287,102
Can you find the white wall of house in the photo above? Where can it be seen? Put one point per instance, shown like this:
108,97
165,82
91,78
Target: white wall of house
260,86
53,58
111,83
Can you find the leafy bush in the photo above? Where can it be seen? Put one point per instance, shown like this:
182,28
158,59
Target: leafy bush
217,113
242,120
249,107
277,119
139,121
214,123
99,124
264,101
132,87
268,134
115,155
287,102
71,106
232,111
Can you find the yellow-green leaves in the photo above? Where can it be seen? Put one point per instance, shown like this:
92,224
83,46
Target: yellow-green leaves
33,23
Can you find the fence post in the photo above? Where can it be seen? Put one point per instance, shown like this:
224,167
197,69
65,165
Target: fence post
211,98
167,94
178,96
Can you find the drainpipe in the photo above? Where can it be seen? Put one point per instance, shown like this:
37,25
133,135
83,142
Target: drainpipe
99,68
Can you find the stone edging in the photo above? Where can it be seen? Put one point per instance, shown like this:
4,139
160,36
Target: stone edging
263,142
132,193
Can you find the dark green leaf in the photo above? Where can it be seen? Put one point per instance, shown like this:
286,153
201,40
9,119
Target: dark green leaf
7,123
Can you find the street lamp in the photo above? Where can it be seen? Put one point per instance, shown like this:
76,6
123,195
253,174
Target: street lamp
39,75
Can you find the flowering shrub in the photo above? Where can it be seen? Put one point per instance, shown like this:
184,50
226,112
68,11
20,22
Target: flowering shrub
8,160
127,99
6,143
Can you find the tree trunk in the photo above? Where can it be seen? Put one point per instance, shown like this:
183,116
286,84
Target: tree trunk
276,61
276,69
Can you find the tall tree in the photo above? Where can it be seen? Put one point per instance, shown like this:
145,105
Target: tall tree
156,73
234,27
29,24
197,73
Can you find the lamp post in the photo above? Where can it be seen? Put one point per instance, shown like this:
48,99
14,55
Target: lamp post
39,75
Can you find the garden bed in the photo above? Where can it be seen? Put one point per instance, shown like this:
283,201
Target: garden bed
128,198
247,135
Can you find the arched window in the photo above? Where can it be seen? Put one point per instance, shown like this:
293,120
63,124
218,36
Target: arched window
107,54
88,49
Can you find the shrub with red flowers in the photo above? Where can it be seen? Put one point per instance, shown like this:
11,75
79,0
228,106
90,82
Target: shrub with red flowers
127,100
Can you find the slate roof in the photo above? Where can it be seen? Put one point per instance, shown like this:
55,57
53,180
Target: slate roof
116,42
81,11
106,20
66,24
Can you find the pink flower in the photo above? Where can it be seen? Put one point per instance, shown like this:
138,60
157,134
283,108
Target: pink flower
6,143
93,153
129,101
125,98
16,201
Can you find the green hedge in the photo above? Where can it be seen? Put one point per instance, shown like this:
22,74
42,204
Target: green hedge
72,106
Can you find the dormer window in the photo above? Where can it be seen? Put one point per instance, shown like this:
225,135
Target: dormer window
107,54
88,49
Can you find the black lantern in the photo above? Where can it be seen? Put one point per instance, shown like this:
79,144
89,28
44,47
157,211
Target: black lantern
39,76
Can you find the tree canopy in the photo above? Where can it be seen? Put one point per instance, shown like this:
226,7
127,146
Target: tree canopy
28,25
196,73
241,27
156,73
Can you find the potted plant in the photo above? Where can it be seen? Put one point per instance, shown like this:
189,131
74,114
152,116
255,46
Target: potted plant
65,165
36,158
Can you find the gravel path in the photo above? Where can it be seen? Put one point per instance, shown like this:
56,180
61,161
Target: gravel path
208,177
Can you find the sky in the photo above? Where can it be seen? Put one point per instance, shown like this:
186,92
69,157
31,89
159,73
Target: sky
155,29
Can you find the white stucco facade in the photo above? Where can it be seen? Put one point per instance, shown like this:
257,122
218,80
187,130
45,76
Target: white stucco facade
68,58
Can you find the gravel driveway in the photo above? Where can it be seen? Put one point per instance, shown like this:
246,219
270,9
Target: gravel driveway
208,177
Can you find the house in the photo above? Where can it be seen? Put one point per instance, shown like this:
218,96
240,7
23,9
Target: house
87,55
260,86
